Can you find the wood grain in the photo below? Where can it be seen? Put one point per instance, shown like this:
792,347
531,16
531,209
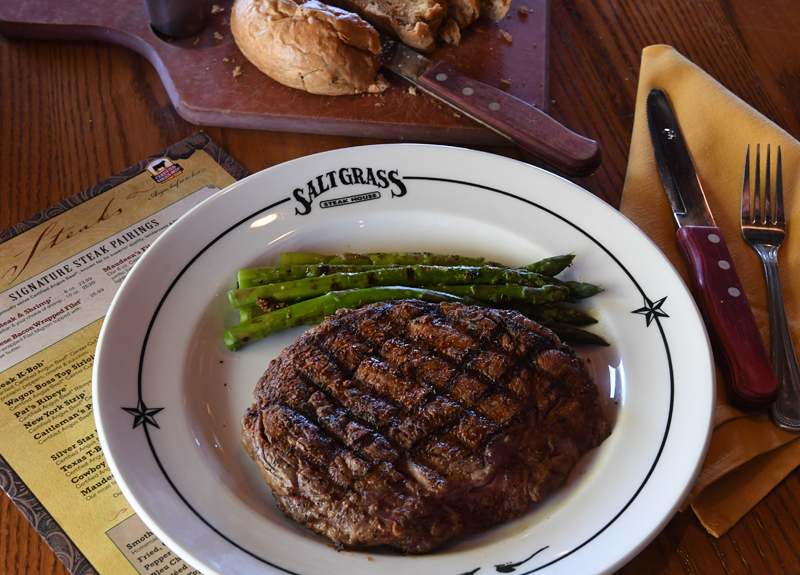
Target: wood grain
72,114
21,549
523,124
253,100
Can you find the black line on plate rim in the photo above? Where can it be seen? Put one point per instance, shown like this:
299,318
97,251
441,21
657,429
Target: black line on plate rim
549,211
649,473
141,367
422,178
660,329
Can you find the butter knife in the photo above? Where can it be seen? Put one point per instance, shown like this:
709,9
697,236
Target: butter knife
751,382
516,120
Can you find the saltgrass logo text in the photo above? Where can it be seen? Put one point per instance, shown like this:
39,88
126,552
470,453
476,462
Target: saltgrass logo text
344,178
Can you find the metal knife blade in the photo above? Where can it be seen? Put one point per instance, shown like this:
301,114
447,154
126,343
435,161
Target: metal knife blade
516,120
740,351
675,164
402,60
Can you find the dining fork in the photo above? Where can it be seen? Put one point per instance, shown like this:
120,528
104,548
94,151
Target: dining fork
764,228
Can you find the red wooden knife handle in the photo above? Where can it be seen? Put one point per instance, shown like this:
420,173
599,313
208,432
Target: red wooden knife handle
525,125
750,380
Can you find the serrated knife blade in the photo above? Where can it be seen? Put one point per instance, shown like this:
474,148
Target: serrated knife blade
739,349
516,120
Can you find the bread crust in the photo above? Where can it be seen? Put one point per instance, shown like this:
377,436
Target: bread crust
311,46
495,9
464,12
414,22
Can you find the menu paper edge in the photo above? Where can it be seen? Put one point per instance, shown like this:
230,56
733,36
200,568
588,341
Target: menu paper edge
10,482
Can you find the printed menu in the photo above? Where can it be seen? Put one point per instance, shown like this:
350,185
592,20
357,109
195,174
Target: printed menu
59,272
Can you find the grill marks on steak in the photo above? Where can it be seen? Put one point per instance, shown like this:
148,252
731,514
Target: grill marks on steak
406,423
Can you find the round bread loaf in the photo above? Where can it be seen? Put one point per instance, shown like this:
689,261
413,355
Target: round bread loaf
309,46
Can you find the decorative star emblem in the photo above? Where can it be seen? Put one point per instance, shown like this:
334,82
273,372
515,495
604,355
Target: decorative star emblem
651,310
142,414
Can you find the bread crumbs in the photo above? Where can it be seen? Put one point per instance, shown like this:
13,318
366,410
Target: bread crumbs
196,41
237,71
506,36
523,10
505,84
226,59
218,36
216,9
412,90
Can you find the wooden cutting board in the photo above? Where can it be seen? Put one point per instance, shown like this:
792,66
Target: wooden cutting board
198,72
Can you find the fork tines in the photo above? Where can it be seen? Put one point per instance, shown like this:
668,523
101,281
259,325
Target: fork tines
756,211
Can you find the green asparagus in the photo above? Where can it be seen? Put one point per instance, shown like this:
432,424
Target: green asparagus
252,277
312,311
316,285
573,335
552,313
498,294
551,266
248,313
385,259
415,276
582,290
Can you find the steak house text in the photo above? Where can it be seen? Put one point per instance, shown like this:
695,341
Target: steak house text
347,177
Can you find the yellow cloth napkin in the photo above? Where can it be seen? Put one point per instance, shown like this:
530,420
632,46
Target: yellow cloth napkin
748,455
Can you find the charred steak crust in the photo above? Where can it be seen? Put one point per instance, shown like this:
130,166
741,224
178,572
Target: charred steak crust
406,423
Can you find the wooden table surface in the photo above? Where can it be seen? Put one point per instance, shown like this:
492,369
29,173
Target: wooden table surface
73,114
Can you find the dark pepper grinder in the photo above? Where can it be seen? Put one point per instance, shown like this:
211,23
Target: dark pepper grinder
178,18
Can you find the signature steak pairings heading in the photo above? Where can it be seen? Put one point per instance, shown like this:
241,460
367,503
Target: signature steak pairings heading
406,423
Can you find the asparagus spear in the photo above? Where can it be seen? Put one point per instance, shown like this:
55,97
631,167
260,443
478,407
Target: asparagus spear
312,311
248,313
399,275
551,266
504,293
308,258
542,313
548,313
577,290
385,258
572,334
582,290
252,277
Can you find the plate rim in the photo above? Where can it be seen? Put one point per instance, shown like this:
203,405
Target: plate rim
264,174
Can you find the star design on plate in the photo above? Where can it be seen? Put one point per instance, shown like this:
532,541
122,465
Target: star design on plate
651,310
142,414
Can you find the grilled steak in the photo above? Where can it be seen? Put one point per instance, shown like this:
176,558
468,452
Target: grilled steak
406,423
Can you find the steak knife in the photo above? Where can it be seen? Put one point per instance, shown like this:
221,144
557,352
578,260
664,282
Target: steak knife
523,124
751,382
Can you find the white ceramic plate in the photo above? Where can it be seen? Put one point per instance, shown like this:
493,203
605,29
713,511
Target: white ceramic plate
184,470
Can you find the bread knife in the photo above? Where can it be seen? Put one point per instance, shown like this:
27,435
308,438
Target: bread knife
751,382
516,120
